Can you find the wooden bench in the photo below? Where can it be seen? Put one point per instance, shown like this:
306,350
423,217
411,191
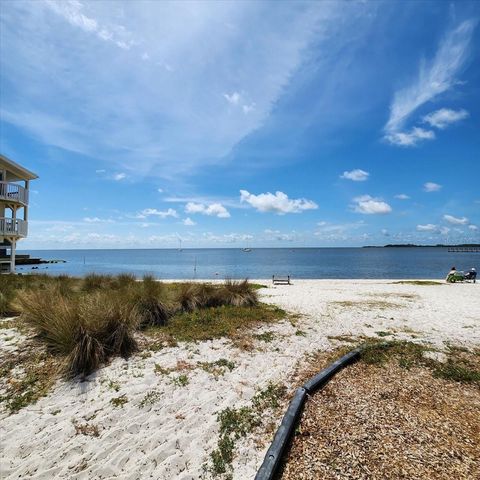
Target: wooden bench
277,280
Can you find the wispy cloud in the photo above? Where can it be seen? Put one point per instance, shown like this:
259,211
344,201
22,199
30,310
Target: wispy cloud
456,220
98,220
402,196
431,187
234,98
278,203
145,122
153,212
73,11
189,222
444,117
119,176
370,206
434,77
357,175
410,138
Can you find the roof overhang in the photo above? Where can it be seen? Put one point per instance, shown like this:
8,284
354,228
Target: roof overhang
16,169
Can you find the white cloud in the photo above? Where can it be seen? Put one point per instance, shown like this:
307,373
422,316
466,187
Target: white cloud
370,205
160,190
402,196
234,98
434,78
278,203
429,227
411,138
189,222
356,175
214,209
456,220
431,187
385,232
119,176
444,230
444,117
473,227
153,212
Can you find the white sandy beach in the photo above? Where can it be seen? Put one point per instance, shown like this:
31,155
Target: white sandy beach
167,431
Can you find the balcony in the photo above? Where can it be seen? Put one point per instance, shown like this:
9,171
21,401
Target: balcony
13,192
10,227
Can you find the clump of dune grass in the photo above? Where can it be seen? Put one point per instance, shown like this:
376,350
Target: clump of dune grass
149,297
87,330
238,293
194,296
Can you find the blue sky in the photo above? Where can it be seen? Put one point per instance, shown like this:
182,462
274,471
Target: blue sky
234,123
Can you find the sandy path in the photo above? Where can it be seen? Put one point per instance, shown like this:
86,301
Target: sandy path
171,436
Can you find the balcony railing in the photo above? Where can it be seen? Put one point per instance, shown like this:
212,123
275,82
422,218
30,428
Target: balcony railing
13,192
11,227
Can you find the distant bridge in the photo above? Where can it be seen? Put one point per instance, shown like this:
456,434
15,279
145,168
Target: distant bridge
464,249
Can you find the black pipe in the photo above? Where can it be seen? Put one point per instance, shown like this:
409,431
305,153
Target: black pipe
284,432
322,378
274,454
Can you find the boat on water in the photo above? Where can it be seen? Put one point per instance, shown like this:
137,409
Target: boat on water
246,249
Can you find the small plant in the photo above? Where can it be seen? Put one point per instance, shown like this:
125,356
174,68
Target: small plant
300,333
218,367
237,423
114,385
383,334
119,401
86,429
150,398
159,370
266,337
181,380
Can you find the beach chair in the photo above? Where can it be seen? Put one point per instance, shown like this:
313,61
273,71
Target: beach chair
281,280
458,276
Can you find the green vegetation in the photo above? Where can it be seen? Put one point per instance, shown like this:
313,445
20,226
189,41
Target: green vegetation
367,304
34,381
214,322
181,380
119,401
150,398
460,365
418,282
218,367
236,423
266,337
86,322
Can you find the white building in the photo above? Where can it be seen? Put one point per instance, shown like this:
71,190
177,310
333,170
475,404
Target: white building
14,186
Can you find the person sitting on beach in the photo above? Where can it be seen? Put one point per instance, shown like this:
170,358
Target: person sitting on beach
471,275
451,274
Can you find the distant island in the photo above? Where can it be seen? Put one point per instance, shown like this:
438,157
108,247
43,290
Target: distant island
412,245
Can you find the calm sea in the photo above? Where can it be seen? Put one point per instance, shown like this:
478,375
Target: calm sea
261,262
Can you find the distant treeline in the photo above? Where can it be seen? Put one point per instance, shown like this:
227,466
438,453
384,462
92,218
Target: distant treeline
412,245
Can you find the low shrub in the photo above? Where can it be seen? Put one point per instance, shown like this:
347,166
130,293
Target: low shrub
149,297
87,329
238,293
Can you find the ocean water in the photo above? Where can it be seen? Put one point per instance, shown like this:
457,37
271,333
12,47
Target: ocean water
206,263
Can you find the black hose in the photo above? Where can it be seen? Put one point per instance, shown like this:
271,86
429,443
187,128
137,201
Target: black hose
274,454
